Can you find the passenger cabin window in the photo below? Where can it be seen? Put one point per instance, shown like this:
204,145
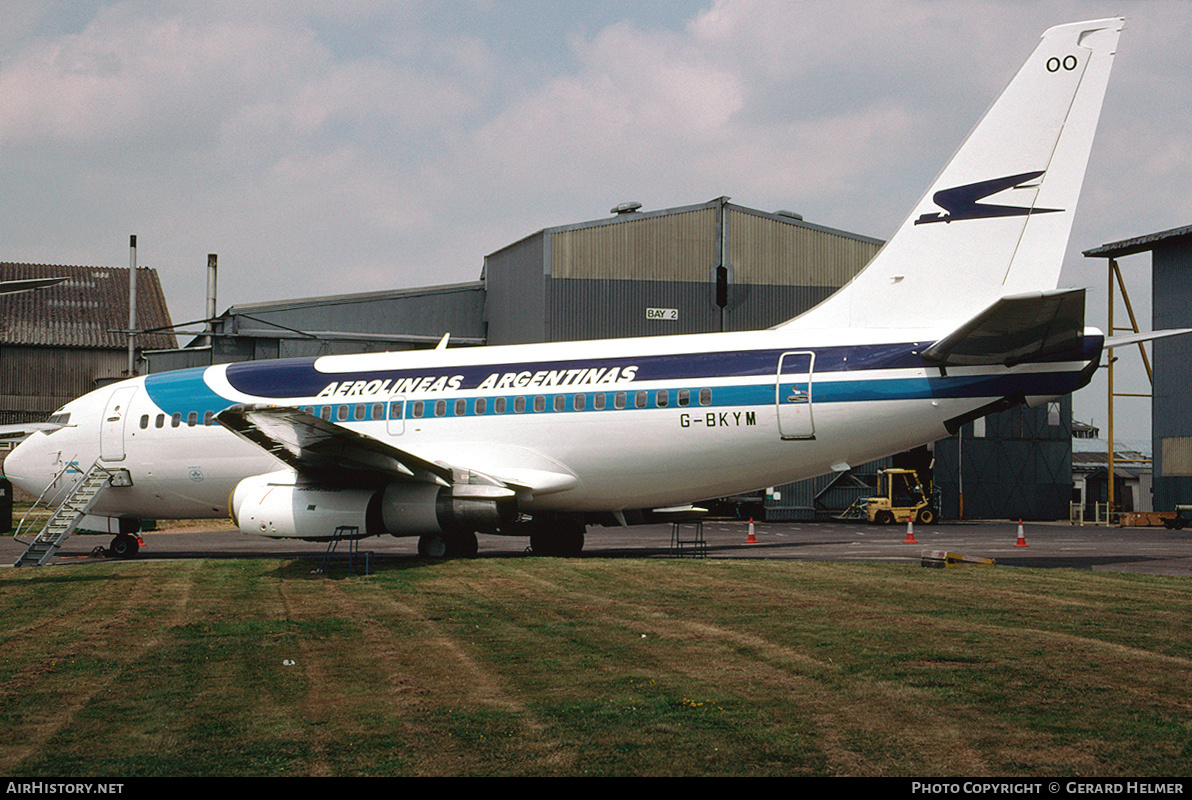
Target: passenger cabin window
160,422
192,419
144,422
619,400
209,418
684,397
481,406
539,403
579,402
519,405
499,405
461,407
705,397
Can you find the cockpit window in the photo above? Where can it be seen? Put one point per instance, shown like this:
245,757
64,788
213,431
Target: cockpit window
59,418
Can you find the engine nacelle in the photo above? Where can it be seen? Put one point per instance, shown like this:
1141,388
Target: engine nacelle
277,505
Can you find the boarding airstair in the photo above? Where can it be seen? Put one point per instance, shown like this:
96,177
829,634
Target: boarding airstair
65,518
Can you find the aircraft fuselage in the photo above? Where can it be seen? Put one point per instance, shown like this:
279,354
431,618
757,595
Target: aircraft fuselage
596,426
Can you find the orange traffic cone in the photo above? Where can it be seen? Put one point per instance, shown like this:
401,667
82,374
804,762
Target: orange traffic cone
1021,538
751,539
910,531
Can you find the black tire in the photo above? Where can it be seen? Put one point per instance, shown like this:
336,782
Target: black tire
884,518
432,545
124,546
462,545
926,516
436,546
562,539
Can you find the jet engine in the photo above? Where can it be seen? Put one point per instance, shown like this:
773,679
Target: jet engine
279,506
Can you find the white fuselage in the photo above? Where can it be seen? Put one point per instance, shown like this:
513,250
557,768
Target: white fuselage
596,426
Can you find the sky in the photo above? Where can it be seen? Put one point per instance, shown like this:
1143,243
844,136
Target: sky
356,145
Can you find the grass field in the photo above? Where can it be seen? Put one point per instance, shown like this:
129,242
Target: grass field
550,667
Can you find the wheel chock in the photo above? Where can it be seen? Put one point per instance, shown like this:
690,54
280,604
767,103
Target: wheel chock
939,559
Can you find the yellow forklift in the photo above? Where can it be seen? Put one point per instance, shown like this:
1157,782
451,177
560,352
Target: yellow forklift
900,497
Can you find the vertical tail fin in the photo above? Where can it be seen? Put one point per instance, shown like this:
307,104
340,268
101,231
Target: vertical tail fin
997,220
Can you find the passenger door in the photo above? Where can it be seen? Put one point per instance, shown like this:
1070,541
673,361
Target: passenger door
111,428
793,395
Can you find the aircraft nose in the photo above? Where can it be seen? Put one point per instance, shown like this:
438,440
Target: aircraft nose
21,466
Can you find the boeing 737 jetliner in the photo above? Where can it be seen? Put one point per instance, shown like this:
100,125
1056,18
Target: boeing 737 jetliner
957,316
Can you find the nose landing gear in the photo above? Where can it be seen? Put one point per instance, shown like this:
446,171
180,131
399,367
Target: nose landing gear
124,545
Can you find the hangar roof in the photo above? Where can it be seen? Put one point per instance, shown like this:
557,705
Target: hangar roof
88,309
1139,244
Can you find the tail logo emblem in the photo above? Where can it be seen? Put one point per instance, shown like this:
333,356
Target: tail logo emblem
961,201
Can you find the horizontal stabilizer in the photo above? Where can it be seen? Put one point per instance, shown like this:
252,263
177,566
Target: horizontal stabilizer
1135,338
1015,329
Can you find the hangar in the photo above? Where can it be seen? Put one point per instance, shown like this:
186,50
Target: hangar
62,341
1171,417
714,266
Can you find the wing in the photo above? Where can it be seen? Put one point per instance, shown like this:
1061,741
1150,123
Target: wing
329,452
334,455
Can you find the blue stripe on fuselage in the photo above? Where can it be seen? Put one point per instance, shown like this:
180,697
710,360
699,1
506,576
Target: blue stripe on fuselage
296,380
292,379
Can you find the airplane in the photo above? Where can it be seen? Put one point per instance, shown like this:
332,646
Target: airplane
28,284
958,315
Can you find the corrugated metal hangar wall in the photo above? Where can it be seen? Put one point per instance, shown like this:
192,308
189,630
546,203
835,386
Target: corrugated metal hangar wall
1015,464
695,269
1171,414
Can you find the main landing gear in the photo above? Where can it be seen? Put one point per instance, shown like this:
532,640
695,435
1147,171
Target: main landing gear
561,540
457,544
558,537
